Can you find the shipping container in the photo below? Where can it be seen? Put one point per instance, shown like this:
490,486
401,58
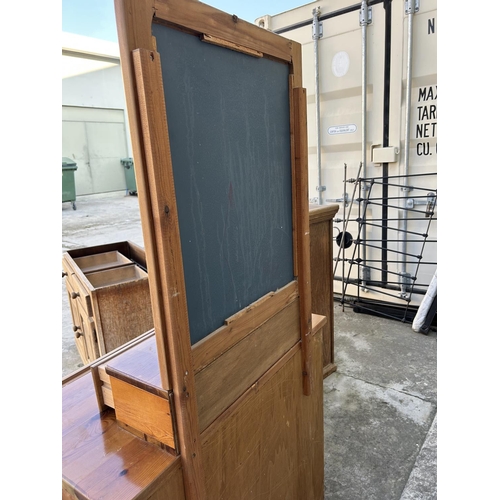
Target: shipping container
373,142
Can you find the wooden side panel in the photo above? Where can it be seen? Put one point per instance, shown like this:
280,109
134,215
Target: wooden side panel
170,486
321,230
124,312
139,347
322,289
271,445
302,226
224,380
143,411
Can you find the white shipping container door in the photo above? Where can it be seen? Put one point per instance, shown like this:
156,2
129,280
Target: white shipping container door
396,244
423,121
95,139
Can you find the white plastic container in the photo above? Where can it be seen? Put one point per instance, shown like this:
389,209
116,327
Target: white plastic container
356,73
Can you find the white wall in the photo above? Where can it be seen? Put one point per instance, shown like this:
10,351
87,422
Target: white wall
99,89
92,80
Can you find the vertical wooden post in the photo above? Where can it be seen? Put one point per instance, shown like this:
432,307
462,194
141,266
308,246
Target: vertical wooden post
165,222
133,21
302,222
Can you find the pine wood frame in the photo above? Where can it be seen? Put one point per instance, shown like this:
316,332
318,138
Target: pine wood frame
147,117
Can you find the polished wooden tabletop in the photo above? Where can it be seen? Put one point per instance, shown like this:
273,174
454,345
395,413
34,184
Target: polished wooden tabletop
100,459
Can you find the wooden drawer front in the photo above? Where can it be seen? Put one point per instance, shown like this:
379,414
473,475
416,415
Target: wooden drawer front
77,292
145,409
78,327
68,265
90,335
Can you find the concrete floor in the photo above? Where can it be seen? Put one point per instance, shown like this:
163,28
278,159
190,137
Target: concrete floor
380,407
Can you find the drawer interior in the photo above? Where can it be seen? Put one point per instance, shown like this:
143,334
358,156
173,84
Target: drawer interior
101,261
108,277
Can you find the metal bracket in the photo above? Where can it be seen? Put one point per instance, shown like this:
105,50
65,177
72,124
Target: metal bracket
365,273
365,15
344,199
365,277
430,201
405,283
410,202
317,25
320,188
412,6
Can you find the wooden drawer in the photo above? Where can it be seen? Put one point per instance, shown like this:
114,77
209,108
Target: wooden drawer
101,261
116,276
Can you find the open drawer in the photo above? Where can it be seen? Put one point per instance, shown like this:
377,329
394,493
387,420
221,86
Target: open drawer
109,277
113,281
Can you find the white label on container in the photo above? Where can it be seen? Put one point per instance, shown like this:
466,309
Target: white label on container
342,129
340,63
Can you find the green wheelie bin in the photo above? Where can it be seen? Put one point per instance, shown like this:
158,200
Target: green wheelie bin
68,181
128,163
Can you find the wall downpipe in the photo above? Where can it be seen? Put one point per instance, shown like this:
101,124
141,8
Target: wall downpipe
317,33
364,20
411,6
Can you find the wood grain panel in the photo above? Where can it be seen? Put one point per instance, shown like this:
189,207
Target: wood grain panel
123,297
271,446
322,282
240,325
78,401
302,225
146,412
102,460
203,19
321,230
224,380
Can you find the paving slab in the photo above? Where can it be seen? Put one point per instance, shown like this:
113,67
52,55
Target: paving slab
373,436
422,483
386,352
101,218
378,410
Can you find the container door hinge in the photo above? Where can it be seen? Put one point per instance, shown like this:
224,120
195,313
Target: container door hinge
317,25
429,201
365,15
365,277
344,199
412,6
405,285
